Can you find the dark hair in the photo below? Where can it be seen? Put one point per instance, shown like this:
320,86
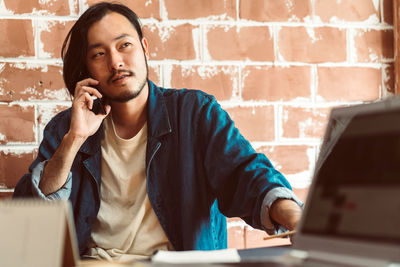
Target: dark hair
74,49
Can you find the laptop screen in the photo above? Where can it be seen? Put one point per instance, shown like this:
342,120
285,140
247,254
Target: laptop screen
357,182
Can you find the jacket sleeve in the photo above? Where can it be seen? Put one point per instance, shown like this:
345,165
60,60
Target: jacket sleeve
52,136
239,177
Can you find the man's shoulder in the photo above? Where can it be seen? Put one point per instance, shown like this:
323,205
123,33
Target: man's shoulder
60,122
185,94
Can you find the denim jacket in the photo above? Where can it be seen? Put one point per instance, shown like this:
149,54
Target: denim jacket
199,169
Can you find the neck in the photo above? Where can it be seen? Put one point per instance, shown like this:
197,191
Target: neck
130,117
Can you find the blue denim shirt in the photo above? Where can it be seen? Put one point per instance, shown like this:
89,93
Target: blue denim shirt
199,169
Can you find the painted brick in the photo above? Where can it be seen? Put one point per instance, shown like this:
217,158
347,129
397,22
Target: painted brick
49,7
193,9
276,83
388,11
17,124
39,82
154,74
373,45
17,38
349,83
13,166
46,113
143,8
255,123
240,43
312,44
5,195
301,193
171,42
220,81
347,10
290,159
300,122
273,10
52,35
388,78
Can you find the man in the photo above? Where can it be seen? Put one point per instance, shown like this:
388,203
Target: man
158,166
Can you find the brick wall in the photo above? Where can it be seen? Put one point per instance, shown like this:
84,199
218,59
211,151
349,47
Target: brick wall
277,66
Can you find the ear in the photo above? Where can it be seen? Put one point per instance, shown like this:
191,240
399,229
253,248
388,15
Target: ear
145,46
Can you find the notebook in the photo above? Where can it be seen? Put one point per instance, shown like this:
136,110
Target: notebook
352,213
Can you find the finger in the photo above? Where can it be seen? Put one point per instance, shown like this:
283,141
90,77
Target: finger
91,91
88,100
85,82
101,116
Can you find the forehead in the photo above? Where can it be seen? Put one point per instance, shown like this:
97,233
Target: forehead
111,26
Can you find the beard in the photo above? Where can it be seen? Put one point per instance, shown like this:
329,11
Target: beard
129,95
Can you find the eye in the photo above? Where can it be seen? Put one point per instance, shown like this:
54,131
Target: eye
96,55
126,44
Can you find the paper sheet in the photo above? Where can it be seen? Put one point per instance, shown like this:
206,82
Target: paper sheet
197,256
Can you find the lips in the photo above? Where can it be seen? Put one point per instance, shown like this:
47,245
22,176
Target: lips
119,77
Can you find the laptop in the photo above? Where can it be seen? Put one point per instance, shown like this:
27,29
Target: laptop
37,233
352,212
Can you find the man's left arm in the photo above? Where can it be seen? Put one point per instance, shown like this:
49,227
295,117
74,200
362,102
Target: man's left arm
281,211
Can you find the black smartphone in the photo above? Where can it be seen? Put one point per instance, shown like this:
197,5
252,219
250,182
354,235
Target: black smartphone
99,105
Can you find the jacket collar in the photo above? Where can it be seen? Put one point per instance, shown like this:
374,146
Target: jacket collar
158,123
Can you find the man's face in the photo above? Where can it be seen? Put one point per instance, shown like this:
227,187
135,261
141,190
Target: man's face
117,58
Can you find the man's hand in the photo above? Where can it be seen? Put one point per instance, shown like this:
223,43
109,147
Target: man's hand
286,212
84,122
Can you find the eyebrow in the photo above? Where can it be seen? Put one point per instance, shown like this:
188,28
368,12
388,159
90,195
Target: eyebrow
90,47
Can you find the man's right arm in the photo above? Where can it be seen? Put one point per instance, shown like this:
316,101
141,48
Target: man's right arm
56,171
50,176
84,123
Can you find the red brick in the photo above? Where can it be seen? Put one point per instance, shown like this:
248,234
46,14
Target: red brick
301,193
349,83
289,159
312,44
273,10
388,11
255,123
300,122
240,43
192,9
13,166
17,124
39,82
219,81
46,113
17,38
373,45
143,8
53,7
52,35
276,83
235,237
171,42
4,195
154,74
346,10
388,78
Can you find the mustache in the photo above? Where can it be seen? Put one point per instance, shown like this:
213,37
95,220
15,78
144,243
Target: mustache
121,71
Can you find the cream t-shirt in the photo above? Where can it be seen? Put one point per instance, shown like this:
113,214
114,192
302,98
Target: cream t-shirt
126,227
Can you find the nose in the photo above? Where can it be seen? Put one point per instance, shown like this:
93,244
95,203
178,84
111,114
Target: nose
115,60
